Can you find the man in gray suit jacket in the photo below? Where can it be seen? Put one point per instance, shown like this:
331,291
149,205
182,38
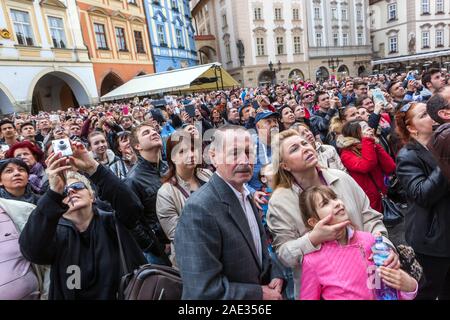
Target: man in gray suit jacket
220,242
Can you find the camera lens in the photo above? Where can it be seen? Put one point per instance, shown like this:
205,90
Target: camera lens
62,145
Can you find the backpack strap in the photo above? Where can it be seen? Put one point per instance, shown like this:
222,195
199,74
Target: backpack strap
121,252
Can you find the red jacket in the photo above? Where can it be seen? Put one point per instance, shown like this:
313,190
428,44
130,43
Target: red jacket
374,161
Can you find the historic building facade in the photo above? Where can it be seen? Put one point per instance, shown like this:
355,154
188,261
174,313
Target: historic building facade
410,34
338,38
258,42
263,41
171,34
44,64
115,32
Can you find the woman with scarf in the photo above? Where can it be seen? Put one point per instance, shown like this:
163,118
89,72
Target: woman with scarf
366,160
14,174
34,158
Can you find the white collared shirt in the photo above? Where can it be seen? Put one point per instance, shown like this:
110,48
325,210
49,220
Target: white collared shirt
250,215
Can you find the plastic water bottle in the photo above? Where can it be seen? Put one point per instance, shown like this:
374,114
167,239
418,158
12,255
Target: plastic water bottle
381,252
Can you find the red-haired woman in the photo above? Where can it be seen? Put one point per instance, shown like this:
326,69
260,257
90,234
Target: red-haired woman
183,178
427,220
34,158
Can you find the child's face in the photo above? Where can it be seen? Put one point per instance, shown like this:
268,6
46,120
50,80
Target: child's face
326,207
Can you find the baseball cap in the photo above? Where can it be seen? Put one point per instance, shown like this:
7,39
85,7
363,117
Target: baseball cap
265,114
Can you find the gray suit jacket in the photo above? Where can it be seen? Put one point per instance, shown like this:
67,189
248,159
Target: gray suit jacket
215,250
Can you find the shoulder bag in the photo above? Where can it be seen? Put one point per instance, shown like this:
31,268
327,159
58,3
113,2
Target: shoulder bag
148,282
392,212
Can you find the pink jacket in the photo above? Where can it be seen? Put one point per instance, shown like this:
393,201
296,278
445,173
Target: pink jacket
338,272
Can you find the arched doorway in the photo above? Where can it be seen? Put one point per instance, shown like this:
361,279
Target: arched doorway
58,90
110,82
343,72
265,78
322,74
6,105
296,74
362,71
207,55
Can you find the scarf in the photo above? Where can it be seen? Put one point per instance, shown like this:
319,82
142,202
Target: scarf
35,178
28,196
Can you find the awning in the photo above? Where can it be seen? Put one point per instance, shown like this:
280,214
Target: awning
418,56
204,77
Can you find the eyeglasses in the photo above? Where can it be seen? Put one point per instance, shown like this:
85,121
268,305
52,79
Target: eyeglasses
76,186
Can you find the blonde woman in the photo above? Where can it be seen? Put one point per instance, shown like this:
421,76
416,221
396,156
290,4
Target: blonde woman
296,169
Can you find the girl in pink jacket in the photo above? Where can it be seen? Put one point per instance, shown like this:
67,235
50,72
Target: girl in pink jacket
342,269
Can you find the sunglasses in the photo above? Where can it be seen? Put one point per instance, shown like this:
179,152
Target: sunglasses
76,186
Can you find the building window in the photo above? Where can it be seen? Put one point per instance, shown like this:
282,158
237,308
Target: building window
392,11
439,6
360,39
335,39
224,21
393,48
56,26
297,45
359,15
139,42
179,37
228,51
258,14
439,38
295,14
280,45
318,39
161,35
425,6
260,46
120,37
278,14
22,27
334,15
132,2
316,13
174,5
425,39
344,14
100,36
345,39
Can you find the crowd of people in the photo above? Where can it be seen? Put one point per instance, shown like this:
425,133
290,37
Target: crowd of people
268,193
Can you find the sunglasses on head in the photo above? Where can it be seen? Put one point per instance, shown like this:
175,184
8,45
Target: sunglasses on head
76,186
406,107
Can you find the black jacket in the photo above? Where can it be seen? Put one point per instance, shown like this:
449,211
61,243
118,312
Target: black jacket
427,221
50,239
145,180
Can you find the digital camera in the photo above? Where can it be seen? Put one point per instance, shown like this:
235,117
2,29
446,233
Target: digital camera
62,146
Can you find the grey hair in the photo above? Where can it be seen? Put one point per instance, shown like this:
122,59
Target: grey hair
219,135
76,176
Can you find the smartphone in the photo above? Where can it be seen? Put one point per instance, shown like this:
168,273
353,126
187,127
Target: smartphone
410,76
62,146
190,109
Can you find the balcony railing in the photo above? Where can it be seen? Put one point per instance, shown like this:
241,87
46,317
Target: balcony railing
337,51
